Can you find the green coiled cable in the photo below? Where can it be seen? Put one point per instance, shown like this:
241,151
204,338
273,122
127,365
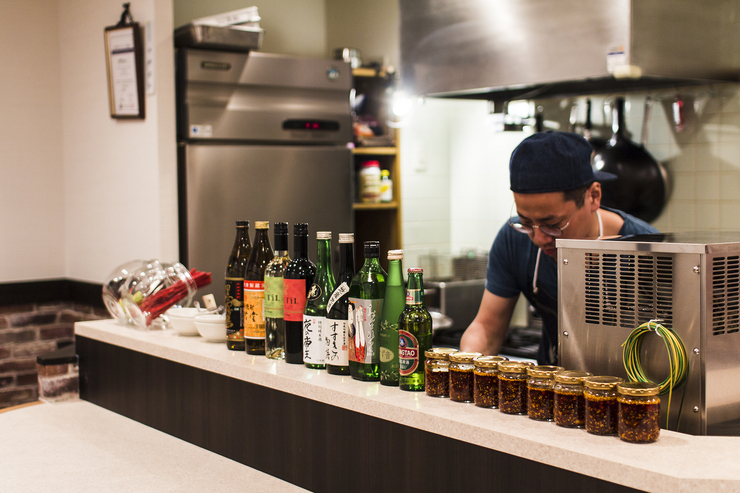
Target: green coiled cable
677,360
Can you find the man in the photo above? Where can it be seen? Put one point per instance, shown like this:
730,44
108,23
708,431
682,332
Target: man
557,195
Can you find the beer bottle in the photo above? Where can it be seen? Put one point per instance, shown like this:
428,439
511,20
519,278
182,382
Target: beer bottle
336,309
254,290
414,334
314,317
234,300
393,304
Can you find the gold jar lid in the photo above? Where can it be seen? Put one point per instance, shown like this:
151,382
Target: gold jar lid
543,371
638,388
262,225
514,366
439,352
489,361
571,376
602,383
461,357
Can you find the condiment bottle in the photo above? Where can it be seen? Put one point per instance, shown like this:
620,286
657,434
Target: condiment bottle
414,334
512,386
570,406
485,380
601,404
639,412
254,290
437,371
234,300
461,376
540,394
337,362
314,317
394,303
274,322
369,177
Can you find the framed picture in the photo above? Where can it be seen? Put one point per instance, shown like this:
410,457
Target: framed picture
125,63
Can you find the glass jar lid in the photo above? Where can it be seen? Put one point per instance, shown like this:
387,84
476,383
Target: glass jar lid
571,376
439,352
461,357
543,371
514,366
638,388
489,361
602,383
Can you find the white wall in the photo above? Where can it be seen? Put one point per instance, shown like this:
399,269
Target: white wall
372,27
32,217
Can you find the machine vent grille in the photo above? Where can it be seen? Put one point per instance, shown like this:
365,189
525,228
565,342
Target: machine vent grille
626,290
725,295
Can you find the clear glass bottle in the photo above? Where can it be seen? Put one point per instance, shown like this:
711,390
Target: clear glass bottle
254,290
297,280
601,404
234,284
414,334
540,395
512,387
394,303
485,380
570,406
274,322
461,376
314,317
639,412
337,354
437,371
366,294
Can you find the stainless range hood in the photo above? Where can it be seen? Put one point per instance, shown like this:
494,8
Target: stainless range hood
521,49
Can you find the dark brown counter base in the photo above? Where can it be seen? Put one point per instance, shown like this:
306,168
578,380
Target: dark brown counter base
313,445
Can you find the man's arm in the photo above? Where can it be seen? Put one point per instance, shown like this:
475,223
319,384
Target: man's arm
487,332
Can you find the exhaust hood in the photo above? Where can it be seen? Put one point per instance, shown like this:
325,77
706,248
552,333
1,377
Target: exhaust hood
524,49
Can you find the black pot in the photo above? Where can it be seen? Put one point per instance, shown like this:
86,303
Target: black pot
641,185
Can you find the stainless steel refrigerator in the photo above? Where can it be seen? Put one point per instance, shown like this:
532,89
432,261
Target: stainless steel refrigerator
260,137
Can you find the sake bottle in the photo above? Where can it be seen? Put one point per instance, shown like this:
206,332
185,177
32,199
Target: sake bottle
314,317
393,304
335,341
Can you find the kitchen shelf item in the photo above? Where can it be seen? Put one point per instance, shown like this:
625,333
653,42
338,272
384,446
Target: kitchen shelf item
639,412
540,393
437,372
113,289
461,376
233,38
512,387
570,406
182,320
601,404
212,327
485,380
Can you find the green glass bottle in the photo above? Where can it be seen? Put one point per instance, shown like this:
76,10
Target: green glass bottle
314,318
365,308
414,334
393,304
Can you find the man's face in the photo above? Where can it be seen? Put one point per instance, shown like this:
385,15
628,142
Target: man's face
551,209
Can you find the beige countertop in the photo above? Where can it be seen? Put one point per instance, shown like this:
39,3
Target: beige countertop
676,462
78,446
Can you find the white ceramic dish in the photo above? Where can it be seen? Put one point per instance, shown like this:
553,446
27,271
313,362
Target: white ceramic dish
211,327
183,320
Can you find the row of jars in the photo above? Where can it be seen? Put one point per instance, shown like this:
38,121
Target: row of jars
603,405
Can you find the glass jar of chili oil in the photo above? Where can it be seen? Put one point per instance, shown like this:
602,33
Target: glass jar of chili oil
639,412
437,372
461,376
540,396
512,387
570,406
601,404
485,380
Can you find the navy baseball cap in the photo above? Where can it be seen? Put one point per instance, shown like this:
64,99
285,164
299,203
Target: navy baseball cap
553,162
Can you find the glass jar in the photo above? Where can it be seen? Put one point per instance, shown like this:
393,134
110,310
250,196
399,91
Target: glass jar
436,372
570,407
485,380
461,376
540,397
601,404
639,412
512,387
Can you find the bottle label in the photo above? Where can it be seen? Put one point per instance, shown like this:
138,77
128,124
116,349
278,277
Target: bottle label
340,291
413,296
273,297
233,308
294,299
313,342
388,343
314,293
364,329
335,342
254,309
408,353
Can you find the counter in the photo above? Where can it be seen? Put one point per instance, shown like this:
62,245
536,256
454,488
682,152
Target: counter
77,446
323,432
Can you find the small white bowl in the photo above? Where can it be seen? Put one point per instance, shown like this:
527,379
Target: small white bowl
211,327
183,320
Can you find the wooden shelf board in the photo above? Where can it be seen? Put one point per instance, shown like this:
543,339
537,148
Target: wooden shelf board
375,151
361,206
367,72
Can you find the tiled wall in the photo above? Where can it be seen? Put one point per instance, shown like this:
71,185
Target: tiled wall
455,167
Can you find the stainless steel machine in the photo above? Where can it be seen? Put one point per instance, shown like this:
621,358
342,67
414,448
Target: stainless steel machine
689,281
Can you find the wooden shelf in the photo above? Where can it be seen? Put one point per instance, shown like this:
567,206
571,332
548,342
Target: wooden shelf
361,206
367,72
375,151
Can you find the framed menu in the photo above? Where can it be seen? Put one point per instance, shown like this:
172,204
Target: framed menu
125,63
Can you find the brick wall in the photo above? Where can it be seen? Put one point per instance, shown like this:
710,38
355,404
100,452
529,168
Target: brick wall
29,330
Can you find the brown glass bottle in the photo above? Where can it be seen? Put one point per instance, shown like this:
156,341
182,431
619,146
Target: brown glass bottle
254,290
234,287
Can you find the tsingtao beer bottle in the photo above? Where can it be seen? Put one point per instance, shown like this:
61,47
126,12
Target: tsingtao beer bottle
414,334
234,300
254,290
314,317
335,342
393,304
297,280
274,323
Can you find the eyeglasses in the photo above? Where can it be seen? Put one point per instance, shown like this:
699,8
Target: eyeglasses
548,229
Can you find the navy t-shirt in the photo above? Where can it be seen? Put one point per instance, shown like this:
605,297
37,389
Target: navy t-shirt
511,264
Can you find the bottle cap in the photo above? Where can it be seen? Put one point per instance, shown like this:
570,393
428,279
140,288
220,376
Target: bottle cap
262,224
300,229
323,235
385,172
395,254
371,164
415,270
242,224
346,237
372,249
281,228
